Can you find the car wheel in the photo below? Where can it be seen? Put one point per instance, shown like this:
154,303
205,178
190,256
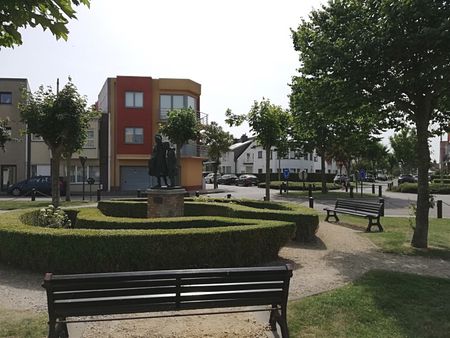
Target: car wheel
16,192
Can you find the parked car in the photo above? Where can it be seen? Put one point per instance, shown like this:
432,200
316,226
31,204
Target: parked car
406,179
339,179
210,177
247,180
382,177
42,184
369,178
227,179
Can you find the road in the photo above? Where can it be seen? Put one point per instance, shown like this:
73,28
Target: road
396,204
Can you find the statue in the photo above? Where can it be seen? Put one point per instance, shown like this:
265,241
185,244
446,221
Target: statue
163,163
157,165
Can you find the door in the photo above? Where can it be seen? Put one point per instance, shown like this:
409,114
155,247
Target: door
134,178
8,176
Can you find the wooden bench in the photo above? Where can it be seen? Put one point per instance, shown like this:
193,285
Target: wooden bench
367,209
119,293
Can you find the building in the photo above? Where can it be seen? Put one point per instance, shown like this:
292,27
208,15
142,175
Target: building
14,161
132,108
444,153
247,156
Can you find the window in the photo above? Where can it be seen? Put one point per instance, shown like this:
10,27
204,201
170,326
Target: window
311,157
170,102
306,157
90,140
260,171
134,99
76,173
134,135
5,98
260,154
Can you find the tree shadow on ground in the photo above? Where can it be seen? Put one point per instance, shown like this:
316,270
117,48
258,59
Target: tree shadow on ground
20,279
315,244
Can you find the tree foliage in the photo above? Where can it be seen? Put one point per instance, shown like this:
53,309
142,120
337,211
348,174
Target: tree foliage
49,14
403,144
390,58
62,120
4,133
182,126
269,123
218,142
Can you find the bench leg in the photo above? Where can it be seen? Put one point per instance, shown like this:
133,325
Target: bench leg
273,319
377,223
333,215
280,318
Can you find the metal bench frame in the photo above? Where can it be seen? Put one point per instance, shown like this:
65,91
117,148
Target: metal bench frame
119,293
368,209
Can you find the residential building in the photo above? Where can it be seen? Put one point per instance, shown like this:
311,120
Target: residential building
14,161
444,153
132,108
247,156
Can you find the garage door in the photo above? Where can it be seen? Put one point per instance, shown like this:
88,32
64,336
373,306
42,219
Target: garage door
134,178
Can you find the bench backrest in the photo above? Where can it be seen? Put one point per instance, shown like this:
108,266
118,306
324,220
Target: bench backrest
359,205
165,290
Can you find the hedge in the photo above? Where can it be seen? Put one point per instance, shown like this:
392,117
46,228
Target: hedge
412,188
134,208
238,243
315,186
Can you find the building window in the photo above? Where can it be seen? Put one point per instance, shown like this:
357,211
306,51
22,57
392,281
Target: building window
5,98
76,173
260,171
134,99
36,138
90,140
260,154
311,157
134,135
170,102
306,157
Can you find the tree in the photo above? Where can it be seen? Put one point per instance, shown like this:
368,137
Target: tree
403,145
218,142
268,122
4,133
390,57
181,127
62,121
49,14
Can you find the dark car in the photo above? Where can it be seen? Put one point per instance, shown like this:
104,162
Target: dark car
42,185
247,180
227,179
369,178
406,179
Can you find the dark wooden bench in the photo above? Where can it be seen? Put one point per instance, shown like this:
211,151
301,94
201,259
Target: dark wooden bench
367,209
119,293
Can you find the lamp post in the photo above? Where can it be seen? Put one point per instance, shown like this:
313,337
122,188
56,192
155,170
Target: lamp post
83,164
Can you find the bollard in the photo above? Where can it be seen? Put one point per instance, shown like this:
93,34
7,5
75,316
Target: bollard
99,195
311,202
346,187
351,191
281,188
439,208
138,193
228,195
381,200
309,191
33,194
373,188
380,191
197,194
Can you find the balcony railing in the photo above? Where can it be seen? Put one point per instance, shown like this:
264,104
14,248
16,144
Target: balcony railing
194,150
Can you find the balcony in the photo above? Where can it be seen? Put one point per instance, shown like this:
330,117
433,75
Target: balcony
196,150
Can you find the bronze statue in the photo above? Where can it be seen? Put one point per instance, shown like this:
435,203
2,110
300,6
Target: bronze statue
162,163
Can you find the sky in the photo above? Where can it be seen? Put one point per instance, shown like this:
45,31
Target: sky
239,51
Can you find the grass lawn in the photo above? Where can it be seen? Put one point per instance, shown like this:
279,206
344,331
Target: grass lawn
22,204
398,232
23,324
380,304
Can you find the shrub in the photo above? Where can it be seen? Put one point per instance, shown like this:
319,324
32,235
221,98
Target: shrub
412,188
133,208
53,218
315,186
228,242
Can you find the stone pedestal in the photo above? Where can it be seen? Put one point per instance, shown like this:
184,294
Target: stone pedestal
165,202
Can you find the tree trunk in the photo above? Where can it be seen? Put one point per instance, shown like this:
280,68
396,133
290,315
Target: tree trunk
54,170
178,179
68,164
322,172
420,237
268,174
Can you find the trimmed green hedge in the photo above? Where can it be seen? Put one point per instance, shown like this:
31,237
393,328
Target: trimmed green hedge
134,208
226,242
412,188
306,219
315,186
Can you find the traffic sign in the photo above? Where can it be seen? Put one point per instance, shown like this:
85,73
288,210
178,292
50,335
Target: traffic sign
286,173
362,174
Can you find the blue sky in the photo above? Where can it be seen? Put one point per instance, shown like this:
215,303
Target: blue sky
239,51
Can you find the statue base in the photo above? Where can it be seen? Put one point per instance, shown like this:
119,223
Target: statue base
165,202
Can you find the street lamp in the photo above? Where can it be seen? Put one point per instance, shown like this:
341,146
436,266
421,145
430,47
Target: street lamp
83,164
